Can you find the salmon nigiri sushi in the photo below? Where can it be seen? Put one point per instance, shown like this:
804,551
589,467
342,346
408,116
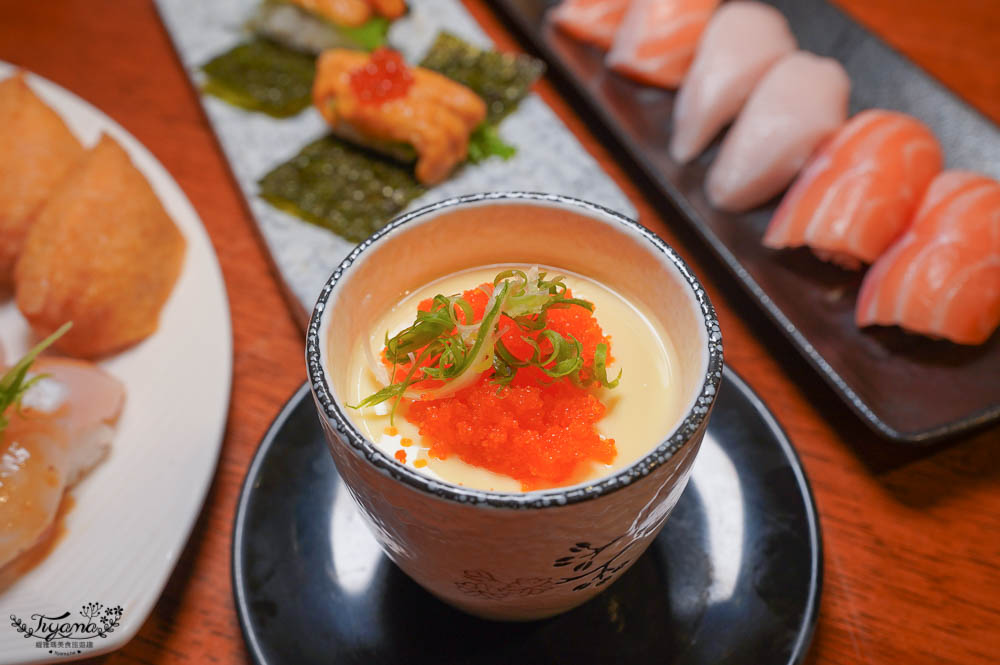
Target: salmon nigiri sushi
742,41
860,190
591,21
942,277
657,38
62,428
798,104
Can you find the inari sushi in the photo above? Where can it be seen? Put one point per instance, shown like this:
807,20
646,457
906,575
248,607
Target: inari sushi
742,41
591,21
37,150
942,277
860,190
406,112
657,38
103,254
798,104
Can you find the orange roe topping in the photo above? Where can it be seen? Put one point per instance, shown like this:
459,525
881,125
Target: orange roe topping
401,456
420,463
391,431
537,430
383,78
405,442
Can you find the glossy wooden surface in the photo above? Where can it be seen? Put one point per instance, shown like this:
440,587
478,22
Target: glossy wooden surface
912,538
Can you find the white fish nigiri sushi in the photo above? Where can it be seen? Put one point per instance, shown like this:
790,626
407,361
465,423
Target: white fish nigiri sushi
742,41
799,103
62,430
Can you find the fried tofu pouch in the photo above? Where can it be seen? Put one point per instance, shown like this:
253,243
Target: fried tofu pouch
37,151
103,254
435,117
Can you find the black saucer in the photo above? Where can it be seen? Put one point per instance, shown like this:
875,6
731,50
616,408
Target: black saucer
734,577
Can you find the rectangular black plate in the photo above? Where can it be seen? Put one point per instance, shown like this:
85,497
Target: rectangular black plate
908,388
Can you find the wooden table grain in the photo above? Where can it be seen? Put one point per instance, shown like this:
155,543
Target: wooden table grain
911,537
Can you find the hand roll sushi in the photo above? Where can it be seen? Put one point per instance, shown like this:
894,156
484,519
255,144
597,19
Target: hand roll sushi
409,113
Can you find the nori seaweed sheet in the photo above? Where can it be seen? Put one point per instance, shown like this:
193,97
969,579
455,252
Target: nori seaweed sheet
349,190
260,75
501,79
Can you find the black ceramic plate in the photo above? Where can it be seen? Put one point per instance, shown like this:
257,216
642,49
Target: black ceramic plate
734,577
908,388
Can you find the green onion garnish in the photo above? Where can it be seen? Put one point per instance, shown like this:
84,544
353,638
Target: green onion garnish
456,351
15,383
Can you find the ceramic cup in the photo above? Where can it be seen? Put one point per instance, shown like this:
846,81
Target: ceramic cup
513,556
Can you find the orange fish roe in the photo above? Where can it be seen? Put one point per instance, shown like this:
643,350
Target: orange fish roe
405,442
420,463
401,456
537,430
391,431
385,77
537,435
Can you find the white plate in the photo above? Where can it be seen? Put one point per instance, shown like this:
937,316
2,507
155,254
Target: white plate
133,513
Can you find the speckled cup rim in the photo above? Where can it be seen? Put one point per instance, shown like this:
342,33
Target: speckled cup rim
681,434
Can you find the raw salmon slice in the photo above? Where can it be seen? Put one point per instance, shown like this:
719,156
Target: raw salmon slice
742,41
859,192
591,21
657,38
61,432
942,277
798,104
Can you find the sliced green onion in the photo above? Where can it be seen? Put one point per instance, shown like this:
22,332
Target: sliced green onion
601,367
458,351
14,383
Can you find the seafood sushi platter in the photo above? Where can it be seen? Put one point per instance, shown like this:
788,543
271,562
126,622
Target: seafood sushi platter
768,130
336,117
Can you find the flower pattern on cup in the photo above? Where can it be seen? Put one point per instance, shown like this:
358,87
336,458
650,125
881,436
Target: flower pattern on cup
584,559
484,584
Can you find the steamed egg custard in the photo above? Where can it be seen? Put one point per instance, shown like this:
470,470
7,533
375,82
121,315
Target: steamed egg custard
515,378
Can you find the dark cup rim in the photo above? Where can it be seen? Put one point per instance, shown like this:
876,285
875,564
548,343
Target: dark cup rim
683,433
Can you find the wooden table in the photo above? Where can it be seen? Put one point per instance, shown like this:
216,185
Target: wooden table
912,537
